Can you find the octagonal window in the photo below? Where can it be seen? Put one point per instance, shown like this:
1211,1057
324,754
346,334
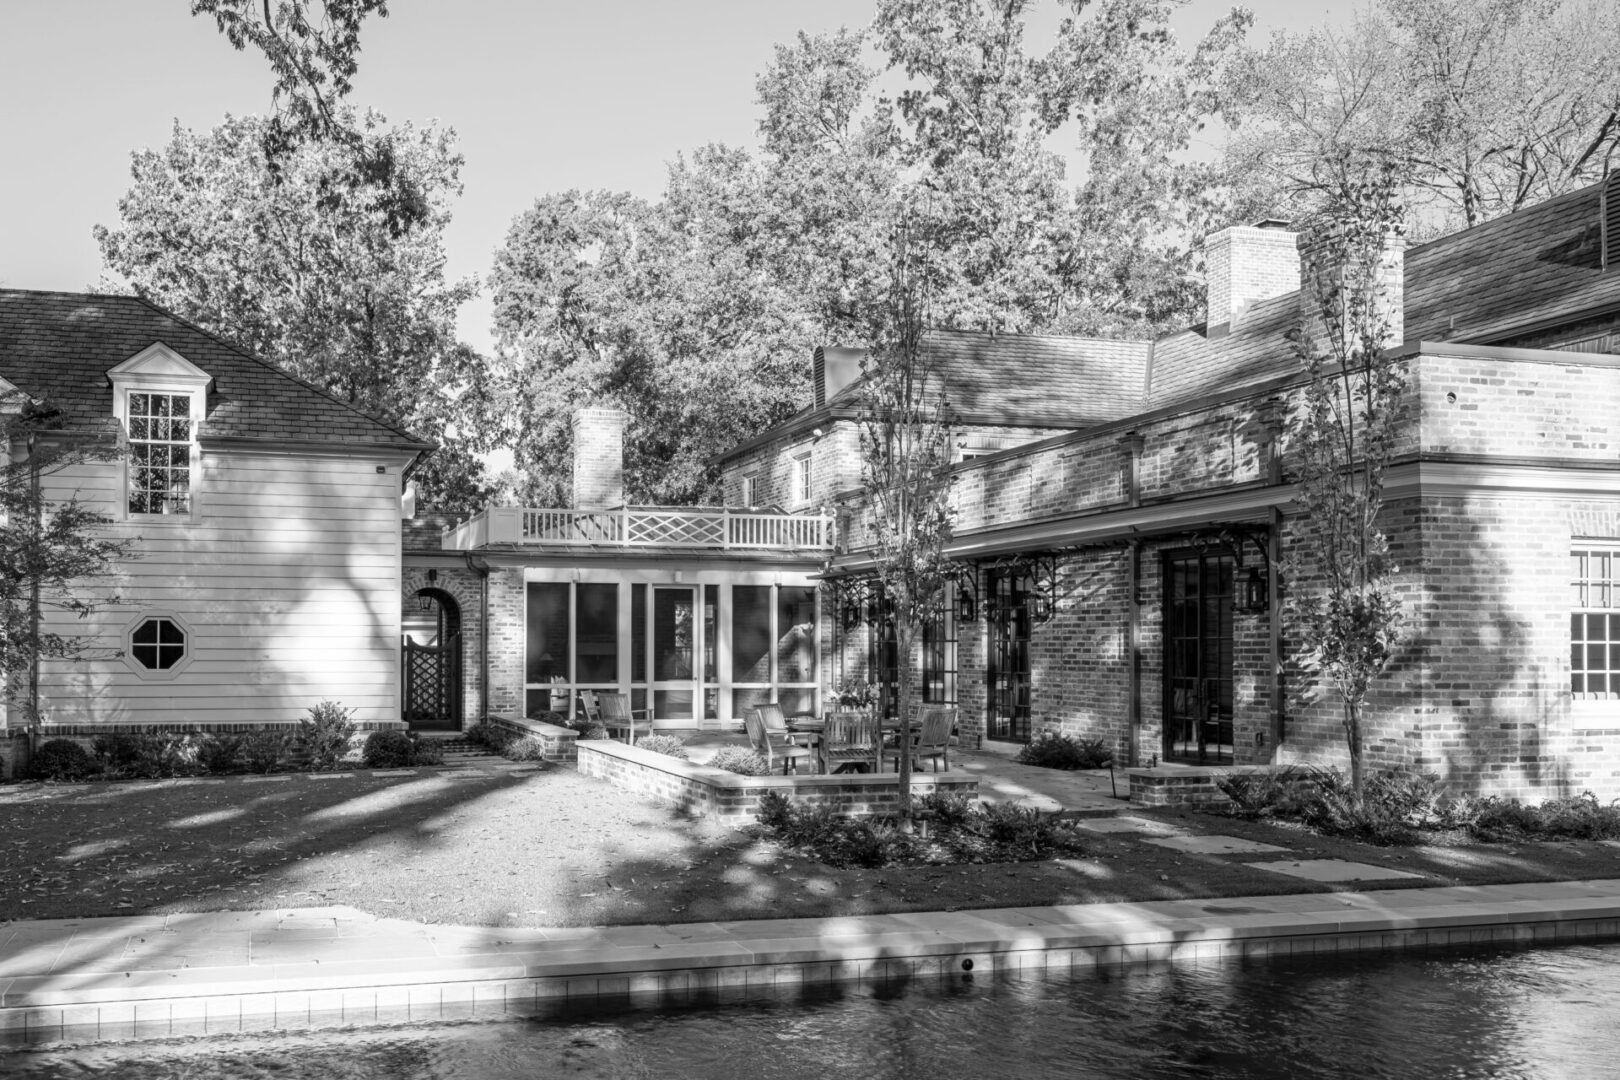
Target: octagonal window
158,644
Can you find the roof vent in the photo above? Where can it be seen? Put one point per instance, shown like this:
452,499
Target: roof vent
1609,219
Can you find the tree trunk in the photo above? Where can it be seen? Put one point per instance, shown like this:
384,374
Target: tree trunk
905,632
1352,736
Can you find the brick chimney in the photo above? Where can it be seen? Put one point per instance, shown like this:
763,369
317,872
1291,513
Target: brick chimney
833,368
1334,265
1245,263
598,458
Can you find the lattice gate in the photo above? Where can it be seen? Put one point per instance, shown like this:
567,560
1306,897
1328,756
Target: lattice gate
433,683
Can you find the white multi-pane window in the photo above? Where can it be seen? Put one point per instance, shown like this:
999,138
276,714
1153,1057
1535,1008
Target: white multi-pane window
750,490
801,479
160,432
1594,621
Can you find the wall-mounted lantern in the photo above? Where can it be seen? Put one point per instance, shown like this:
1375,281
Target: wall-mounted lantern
1256,591
967,595
424,601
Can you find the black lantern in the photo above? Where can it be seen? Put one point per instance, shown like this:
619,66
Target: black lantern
424,600
1040,606
967,608
1256,595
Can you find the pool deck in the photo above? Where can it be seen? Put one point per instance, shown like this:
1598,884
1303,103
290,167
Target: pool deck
190,974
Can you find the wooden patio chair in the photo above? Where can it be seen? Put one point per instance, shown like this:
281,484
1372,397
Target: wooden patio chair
776,724
850,739
933,739
617,715
772,748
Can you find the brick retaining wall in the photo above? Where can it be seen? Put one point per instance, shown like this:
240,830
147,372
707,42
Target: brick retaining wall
699,789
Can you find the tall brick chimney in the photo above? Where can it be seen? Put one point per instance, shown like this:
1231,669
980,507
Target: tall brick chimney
1245,263
598,458
833,368
1334,265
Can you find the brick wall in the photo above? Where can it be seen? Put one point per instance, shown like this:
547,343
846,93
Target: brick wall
698,789
506,641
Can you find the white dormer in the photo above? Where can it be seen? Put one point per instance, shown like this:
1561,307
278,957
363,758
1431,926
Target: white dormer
160,399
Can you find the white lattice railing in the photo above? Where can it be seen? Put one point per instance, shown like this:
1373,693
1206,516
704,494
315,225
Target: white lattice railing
715,528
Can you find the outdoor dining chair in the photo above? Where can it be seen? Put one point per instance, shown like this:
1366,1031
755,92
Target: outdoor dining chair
850,739
932,740
774,747
776,724
617,715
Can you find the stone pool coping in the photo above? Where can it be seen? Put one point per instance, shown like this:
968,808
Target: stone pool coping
199,974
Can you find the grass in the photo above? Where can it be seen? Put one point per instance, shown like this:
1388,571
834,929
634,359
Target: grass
553,848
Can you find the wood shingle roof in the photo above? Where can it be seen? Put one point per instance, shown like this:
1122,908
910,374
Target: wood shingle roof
58,347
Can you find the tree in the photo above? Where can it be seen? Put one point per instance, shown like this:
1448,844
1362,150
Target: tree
906,453
1343,439
314,58
54,552
1488,105
666,310
314,266
696,312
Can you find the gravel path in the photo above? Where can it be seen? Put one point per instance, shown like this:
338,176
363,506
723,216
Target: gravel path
553,848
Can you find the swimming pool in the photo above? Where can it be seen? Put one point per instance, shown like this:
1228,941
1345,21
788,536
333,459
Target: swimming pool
1482,1012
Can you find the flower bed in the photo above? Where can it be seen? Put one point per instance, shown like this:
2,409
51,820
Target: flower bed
698,789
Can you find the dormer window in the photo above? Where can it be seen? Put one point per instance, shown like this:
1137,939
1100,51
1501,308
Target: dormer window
160,448
159,400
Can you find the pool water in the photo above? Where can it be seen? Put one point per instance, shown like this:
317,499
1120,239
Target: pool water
1466,1013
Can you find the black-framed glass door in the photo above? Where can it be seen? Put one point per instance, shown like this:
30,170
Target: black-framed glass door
1198,603
1007,670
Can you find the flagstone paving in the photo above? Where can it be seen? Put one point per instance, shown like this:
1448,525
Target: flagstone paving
1213,845
1331,870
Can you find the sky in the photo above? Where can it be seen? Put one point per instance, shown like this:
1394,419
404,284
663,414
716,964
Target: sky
544,95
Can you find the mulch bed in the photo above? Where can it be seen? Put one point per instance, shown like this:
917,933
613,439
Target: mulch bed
554,848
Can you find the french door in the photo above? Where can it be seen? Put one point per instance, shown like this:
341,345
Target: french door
1007,672
1198,656
675,652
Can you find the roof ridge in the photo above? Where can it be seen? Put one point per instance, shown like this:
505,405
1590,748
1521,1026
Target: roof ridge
269,365
1516,216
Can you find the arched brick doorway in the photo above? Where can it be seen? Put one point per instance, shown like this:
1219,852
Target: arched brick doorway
432,662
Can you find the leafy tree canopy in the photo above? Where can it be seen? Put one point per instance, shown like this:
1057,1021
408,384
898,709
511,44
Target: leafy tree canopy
697,313
310,264
1483,106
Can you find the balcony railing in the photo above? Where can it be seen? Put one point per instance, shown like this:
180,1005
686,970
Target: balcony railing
693,528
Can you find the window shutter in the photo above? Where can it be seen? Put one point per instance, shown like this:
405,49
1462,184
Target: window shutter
1609,212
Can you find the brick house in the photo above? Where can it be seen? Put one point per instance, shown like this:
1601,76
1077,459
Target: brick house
264,516
1123,575
1124,511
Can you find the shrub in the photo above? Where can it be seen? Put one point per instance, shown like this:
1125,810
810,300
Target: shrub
524,748
221,753
947,809
62,759
740,760
146,755
1053,750
1580,817
263,750
1283,793
588,729
495,736
1018,831
323,737
400,749
663,744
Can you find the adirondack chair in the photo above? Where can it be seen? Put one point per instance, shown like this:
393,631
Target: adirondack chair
774,747
933,739
851,739
617,715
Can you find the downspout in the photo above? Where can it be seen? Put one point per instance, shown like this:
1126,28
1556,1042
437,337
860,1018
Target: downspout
1274,613
1133,659
481,568
1132,442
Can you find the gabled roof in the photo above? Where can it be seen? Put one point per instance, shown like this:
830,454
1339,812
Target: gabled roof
1538,266
58,347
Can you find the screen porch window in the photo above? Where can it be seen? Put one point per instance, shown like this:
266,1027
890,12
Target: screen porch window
1594,622
160,431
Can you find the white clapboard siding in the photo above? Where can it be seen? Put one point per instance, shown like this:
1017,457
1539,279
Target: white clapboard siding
287,576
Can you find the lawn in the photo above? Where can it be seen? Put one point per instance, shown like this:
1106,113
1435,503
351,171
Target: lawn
553,848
